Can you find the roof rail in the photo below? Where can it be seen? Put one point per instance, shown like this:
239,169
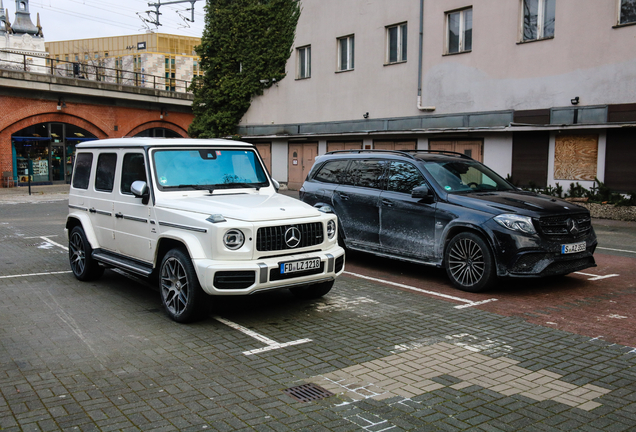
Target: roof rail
405,152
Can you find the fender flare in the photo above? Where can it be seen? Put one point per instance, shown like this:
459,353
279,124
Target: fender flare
83,221
190,241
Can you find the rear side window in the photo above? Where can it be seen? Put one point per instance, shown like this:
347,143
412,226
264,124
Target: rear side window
366,173
332,172
133,169
82,174
105,175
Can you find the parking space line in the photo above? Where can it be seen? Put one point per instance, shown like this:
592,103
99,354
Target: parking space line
35,274
616,250
48,240
594,277
469,303
271,344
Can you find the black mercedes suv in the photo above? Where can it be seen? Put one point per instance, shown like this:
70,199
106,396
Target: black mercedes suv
448,210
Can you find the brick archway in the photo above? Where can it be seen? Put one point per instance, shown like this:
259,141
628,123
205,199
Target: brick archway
52,118
158,124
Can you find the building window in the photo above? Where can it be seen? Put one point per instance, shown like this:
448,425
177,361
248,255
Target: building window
396,38
304,62
346,51
538,19
627,12
459,37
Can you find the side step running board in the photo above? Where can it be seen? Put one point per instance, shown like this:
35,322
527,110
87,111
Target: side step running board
122,263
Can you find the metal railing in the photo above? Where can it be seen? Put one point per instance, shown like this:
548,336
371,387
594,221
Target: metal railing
95,71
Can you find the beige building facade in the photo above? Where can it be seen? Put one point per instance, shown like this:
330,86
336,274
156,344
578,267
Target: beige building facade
542,91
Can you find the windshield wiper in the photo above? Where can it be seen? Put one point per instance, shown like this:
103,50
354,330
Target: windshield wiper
209,188
239,185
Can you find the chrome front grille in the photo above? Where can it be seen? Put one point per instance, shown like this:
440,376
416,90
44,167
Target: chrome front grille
565,227
273,238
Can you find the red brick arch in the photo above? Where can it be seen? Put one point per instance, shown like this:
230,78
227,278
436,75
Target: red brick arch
53,118
158,124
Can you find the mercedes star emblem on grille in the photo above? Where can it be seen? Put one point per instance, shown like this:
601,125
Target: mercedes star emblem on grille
292,237
573,227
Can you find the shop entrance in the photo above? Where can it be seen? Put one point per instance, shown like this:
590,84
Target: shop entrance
44,153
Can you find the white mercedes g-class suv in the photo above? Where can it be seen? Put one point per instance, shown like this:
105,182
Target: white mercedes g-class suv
198,217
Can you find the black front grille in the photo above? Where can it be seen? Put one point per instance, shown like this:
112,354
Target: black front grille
526,263
234,279
561,227
273,238
339,263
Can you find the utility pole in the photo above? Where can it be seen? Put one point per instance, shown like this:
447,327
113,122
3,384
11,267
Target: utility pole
156,12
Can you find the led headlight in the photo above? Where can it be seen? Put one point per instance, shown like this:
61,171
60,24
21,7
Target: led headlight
331,229
233,239
516,223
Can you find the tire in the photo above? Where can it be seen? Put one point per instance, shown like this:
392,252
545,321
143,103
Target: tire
84,267
181,294
312,291
469,263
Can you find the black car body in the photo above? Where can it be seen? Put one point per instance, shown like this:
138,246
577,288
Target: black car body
448,210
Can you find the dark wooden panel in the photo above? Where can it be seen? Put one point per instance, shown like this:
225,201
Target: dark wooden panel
621,113
530,158
620,160
540,116
575,157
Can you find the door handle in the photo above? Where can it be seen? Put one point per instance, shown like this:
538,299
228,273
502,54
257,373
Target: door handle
92,210
119,215
387,203
343,196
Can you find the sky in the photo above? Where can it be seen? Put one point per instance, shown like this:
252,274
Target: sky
84,19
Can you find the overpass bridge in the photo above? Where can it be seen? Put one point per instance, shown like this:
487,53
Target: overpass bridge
43,117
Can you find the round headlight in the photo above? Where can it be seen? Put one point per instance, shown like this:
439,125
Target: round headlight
331,229
233,239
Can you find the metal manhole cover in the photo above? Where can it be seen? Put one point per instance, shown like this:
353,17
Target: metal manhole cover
307,392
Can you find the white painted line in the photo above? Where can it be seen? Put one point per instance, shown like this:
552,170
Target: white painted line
616,250
469,303
35,274
53,243
594,277
271,344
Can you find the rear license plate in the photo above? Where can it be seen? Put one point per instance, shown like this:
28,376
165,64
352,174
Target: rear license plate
301,265
573,248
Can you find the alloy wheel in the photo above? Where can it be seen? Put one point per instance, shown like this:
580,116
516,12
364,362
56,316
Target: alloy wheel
466,262
175,288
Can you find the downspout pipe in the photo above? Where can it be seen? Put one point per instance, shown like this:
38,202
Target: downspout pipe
419,63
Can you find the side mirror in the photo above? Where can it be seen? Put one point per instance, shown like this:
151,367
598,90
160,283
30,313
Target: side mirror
423,192
276,185
140,190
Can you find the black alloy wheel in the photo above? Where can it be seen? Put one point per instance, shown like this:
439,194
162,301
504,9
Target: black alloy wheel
181,294
469,263
84,267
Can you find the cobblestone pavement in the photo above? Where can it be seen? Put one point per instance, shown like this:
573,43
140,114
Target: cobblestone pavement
103,356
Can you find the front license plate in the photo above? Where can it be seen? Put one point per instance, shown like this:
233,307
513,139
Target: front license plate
297,266
572,248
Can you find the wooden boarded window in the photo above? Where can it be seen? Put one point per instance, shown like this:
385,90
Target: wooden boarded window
265,150
575,157
473,149
394,145
346,145
620,160
530,152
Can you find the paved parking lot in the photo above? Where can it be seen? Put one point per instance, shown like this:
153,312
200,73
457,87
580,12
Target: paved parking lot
103,356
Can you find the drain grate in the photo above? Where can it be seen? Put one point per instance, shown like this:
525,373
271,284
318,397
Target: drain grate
307,392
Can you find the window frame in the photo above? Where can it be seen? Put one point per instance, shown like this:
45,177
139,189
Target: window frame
540,24
462,31
350,53
105,173
402,43
619,22
306,49
126,168
82,170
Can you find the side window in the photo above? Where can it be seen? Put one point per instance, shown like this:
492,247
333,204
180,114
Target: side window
332,172
133,169
83,164
366,173
404,177
105,175
627,12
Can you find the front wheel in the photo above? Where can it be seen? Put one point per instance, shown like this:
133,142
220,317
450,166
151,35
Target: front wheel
469,263
84,267
181,294
312,291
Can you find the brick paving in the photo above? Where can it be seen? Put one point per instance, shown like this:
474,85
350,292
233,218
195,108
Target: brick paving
102,356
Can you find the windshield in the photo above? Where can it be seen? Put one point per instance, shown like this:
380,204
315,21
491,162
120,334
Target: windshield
460,176
208,169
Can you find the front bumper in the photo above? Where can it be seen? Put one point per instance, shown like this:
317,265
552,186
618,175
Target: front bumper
248,277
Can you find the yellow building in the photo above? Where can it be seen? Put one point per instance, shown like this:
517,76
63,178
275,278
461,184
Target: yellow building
152,59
